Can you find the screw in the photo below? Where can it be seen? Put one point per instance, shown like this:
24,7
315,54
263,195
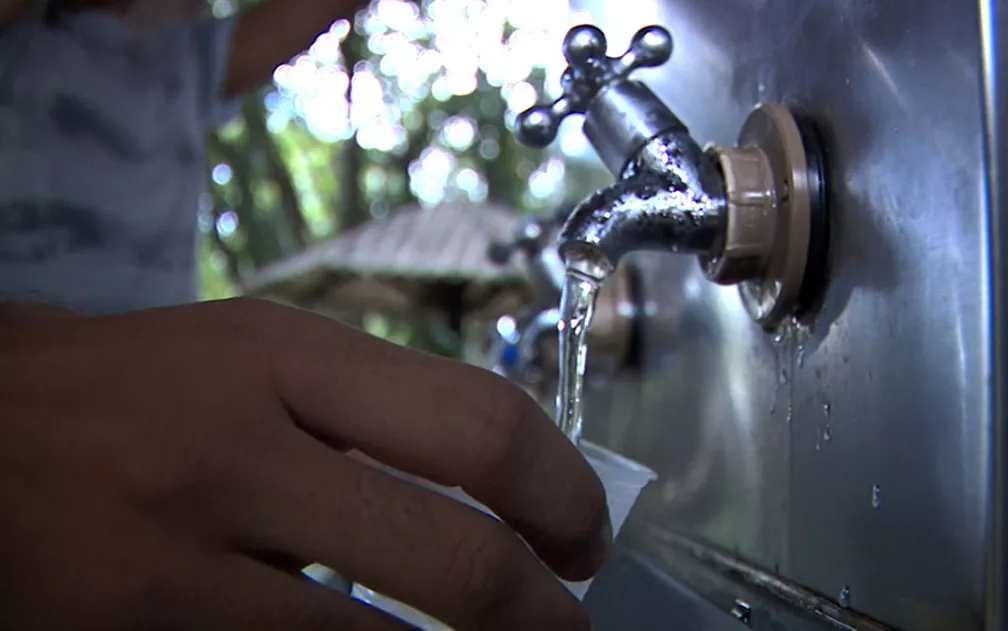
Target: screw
742,612
845,597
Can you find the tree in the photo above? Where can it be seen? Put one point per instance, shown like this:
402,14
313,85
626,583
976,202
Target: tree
412,105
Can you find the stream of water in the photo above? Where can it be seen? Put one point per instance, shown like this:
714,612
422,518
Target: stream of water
577,305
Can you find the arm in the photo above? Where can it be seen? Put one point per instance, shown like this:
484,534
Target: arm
273,32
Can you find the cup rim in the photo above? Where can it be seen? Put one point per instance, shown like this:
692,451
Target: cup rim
607,456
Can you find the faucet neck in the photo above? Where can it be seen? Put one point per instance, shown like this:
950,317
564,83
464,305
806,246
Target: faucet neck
621,120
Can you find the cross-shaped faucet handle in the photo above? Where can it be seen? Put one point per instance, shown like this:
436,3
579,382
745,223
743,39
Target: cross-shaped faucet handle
589,71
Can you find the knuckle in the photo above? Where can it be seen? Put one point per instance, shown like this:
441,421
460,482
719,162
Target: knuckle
488,567
191,475
225,464
249,305
501,442
250,316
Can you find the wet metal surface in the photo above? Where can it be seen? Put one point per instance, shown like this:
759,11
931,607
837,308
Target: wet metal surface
671,199
890,515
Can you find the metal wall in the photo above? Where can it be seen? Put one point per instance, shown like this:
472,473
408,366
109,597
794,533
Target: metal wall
853,459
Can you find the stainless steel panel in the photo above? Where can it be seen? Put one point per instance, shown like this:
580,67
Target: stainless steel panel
631,594
994,30
891,505
628,595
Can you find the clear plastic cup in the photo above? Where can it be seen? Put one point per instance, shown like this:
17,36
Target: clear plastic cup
622,478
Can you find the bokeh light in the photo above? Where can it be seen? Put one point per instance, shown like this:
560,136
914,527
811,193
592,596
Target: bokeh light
443,51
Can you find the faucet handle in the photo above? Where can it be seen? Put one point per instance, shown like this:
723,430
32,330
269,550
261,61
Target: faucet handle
588,72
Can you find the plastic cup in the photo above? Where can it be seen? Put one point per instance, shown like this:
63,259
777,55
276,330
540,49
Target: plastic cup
622,479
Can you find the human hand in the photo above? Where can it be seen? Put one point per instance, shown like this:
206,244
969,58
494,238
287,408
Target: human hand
175,468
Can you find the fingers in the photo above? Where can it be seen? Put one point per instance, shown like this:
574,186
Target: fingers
405,541
452,424
235,592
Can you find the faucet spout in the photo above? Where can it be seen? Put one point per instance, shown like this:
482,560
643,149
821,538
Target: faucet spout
671,197
754,214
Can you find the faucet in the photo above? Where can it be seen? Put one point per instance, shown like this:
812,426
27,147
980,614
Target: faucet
754,215
534,238
515,345
523,346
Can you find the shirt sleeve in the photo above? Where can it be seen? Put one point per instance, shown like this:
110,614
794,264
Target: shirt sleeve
211,40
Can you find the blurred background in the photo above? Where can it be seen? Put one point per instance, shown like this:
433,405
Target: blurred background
368,180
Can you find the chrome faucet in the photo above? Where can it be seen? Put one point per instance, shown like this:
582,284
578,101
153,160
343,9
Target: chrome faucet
534,238
522,346
754,215
670,194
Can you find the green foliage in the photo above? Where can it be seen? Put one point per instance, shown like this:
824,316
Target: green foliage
282,179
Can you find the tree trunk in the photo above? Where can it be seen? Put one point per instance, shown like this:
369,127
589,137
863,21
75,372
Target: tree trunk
352,210
295,231
261,243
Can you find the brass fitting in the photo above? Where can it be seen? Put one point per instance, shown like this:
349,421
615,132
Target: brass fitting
777,232
751,215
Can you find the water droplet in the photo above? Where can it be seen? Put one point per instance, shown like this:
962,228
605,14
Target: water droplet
845,596
801,356
826,410
827,434
876,496
818,446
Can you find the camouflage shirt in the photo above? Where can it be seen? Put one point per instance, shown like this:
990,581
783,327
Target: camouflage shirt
102,158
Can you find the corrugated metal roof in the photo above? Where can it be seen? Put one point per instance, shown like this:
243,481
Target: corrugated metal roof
444,243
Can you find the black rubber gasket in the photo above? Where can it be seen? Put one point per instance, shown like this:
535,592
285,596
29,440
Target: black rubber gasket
813,287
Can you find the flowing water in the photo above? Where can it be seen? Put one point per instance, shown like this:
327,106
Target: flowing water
577,305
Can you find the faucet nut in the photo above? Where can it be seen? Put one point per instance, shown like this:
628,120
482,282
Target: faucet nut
751,216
